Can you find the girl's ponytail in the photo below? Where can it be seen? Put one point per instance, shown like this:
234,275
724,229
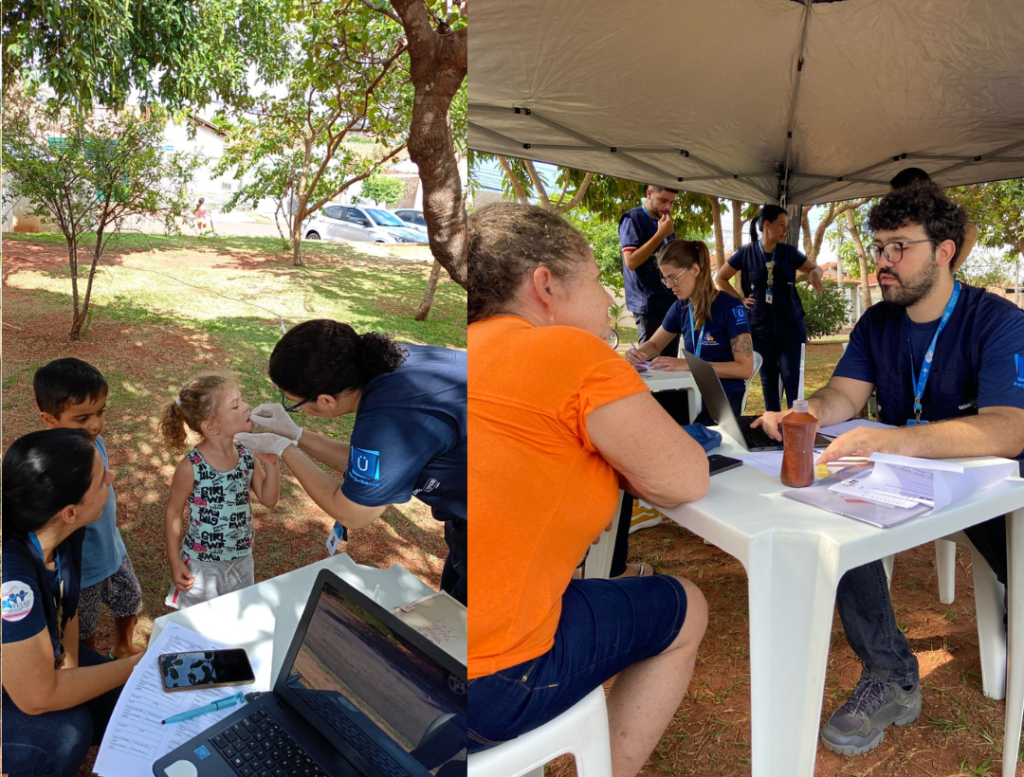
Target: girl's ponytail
172,426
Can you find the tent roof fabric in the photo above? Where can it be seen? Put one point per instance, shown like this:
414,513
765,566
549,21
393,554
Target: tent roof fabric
725,97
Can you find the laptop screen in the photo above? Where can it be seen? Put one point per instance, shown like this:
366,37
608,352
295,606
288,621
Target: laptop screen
377,690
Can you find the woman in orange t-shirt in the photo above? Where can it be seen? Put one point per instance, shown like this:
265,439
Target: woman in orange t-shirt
556,419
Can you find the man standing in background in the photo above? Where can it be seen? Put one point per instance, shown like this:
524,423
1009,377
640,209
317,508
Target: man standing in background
642,231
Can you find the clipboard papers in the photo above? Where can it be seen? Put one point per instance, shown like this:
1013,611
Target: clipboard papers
893,489
880,515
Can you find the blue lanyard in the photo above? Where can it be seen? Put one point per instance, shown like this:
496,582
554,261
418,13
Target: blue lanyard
760,249
920,381
57,598
694,338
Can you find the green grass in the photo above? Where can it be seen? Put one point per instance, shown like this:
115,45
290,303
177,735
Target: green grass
149,332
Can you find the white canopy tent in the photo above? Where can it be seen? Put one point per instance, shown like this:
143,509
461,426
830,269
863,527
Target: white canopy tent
755,100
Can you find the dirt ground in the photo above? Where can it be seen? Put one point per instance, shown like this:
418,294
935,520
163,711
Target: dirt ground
35,331
959,732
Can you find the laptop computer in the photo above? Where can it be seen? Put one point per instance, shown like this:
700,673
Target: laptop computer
359,693
717,403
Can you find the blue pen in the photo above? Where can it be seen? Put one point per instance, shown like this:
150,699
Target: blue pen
637,350
230,701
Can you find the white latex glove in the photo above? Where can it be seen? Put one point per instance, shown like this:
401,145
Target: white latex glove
264,443
275,418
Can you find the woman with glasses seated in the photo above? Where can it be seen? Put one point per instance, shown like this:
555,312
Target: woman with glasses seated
58,695
409,437
769,267
713,326
559,421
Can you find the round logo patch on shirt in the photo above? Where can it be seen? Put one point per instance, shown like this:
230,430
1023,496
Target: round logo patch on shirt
17,599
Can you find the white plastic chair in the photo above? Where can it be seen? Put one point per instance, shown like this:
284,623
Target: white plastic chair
988,604
581,730
758,360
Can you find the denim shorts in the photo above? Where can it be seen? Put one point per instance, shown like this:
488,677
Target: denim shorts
606,626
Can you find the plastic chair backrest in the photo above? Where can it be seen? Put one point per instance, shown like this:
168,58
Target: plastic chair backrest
758,360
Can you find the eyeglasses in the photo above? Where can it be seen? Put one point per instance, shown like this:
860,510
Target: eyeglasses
893,251
294,408
673,281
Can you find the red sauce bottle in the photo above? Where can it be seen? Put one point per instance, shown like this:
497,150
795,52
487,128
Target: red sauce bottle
798,430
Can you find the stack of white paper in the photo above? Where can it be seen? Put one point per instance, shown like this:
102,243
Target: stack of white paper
135,738
908,482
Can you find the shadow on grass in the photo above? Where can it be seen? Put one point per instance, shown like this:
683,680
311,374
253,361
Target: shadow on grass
145,358
127,243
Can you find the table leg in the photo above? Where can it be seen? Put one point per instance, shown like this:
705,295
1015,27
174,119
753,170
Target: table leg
1015,641
792,589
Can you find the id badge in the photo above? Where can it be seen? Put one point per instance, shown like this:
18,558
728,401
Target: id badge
768,296
338,534
915,422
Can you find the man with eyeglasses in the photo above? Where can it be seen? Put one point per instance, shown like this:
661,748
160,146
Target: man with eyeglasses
947,361
642,233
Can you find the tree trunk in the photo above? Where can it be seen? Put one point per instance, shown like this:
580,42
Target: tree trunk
737,225
73,263
438,60
428,295
716,216
862,260
298,216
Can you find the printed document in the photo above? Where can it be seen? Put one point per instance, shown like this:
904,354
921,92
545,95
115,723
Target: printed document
906,481
135,738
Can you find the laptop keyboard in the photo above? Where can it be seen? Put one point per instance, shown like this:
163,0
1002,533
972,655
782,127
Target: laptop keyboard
755,438
257,746
365,746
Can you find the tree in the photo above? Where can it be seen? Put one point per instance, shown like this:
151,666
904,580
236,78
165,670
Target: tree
438,59
998,211
326,76
384,189
825,313
813,241
99,50
526,189
91,174
716,220
603,237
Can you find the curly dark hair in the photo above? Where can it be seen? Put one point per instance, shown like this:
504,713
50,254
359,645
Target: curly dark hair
328,357
508,241
921,203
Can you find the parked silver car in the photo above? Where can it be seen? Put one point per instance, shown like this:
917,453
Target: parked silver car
413,219
350,222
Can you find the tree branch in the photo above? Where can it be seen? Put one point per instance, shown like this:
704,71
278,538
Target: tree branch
517,185
538,183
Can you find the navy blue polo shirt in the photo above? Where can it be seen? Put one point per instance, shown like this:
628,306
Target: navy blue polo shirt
785,316
978,360
410,435
728,320
636,228
28,588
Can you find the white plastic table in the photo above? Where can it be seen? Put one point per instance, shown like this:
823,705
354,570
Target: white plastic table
658,380
794,555
263,617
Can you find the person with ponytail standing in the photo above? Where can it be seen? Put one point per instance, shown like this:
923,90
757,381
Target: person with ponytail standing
769,267
58,694
213,483
713,326
409,437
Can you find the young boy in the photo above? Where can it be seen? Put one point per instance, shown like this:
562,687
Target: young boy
72,394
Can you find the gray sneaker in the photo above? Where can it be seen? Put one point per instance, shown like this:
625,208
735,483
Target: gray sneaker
859,725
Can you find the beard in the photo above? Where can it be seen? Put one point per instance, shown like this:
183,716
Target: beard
908,293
